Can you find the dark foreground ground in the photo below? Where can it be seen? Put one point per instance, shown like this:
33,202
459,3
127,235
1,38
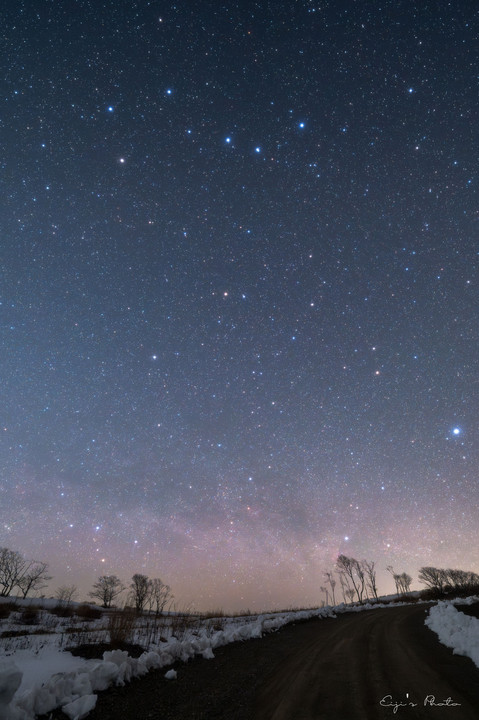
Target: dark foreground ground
316,670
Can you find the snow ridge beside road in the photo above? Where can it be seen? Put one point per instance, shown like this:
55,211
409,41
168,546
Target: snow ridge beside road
455,629
75,691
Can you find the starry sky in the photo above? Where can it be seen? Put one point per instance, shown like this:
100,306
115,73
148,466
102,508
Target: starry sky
239,291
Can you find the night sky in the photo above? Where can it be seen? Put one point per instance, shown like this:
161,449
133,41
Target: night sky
239,291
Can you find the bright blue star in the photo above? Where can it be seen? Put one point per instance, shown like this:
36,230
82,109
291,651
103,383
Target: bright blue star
228,140
111,108
257,149
456,431
302,125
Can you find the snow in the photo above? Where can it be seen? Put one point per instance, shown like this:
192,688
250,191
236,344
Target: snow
80,708
10,678
38,668
454,629
51,677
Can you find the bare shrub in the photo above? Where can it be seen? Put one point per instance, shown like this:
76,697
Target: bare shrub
213,614
62,611
213,620
65,594
14,633
6,609
154,630
121,624
181,624
29,616
212,625
88,612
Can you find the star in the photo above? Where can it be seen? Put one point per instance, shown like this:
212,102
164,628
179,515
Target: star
305,319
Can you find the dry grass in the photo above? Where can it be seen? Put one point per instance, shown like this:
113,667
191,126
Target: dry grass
30,616
6,608
121,624
88,612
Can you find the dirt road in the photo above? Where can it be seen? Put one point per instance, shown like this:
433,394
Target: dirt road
379,664
353,668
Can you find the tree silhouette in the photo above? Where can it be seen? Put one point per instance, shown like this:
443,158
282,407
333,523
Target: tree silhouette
140,589
106,589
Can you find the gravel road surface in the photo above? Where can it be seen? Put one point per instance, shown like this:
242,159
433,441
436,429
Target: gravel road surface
371,665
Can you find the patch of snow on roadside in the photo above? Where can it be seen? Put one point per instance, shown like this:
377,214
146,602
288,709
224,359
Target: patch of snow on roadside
455,630
39,667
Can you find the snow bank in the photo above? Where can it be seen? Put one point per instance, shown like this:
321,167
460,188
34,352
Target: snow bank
10,679
75,690
455,630
80,708
38,667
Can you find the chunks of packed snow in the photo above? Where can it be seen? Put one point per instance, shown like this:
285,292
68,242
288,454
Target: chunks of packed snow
10,679
171,675
39,667
103,674
455,630
75,689
80,708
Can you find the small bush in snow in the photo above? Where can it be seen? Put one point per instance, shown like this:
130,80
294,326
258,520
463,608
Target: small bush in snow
5,609
88,612
29,616
121,624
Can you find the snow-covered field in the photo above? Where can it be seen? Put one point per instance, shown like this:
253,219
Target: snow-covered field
37,674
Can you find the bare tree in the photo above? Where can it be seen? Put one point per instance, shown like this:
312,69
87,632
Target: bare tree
349,594
65,594
433,578
395,576
404,583
325,591
442,581
12,568
370,573
344,582
35,578
106,589
353,572
332,584
361,575
160,595
140,590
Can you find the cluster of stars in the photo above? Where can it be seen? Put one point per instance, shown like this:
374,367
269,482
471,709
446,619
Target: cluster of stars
238,299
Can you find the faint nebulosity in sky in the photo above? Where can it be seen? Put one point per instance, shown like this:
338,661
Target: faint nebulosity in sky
239,291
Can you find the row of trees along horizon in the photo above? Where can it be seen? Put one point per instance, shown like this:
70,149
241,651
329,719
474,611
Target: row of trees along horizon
357,583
